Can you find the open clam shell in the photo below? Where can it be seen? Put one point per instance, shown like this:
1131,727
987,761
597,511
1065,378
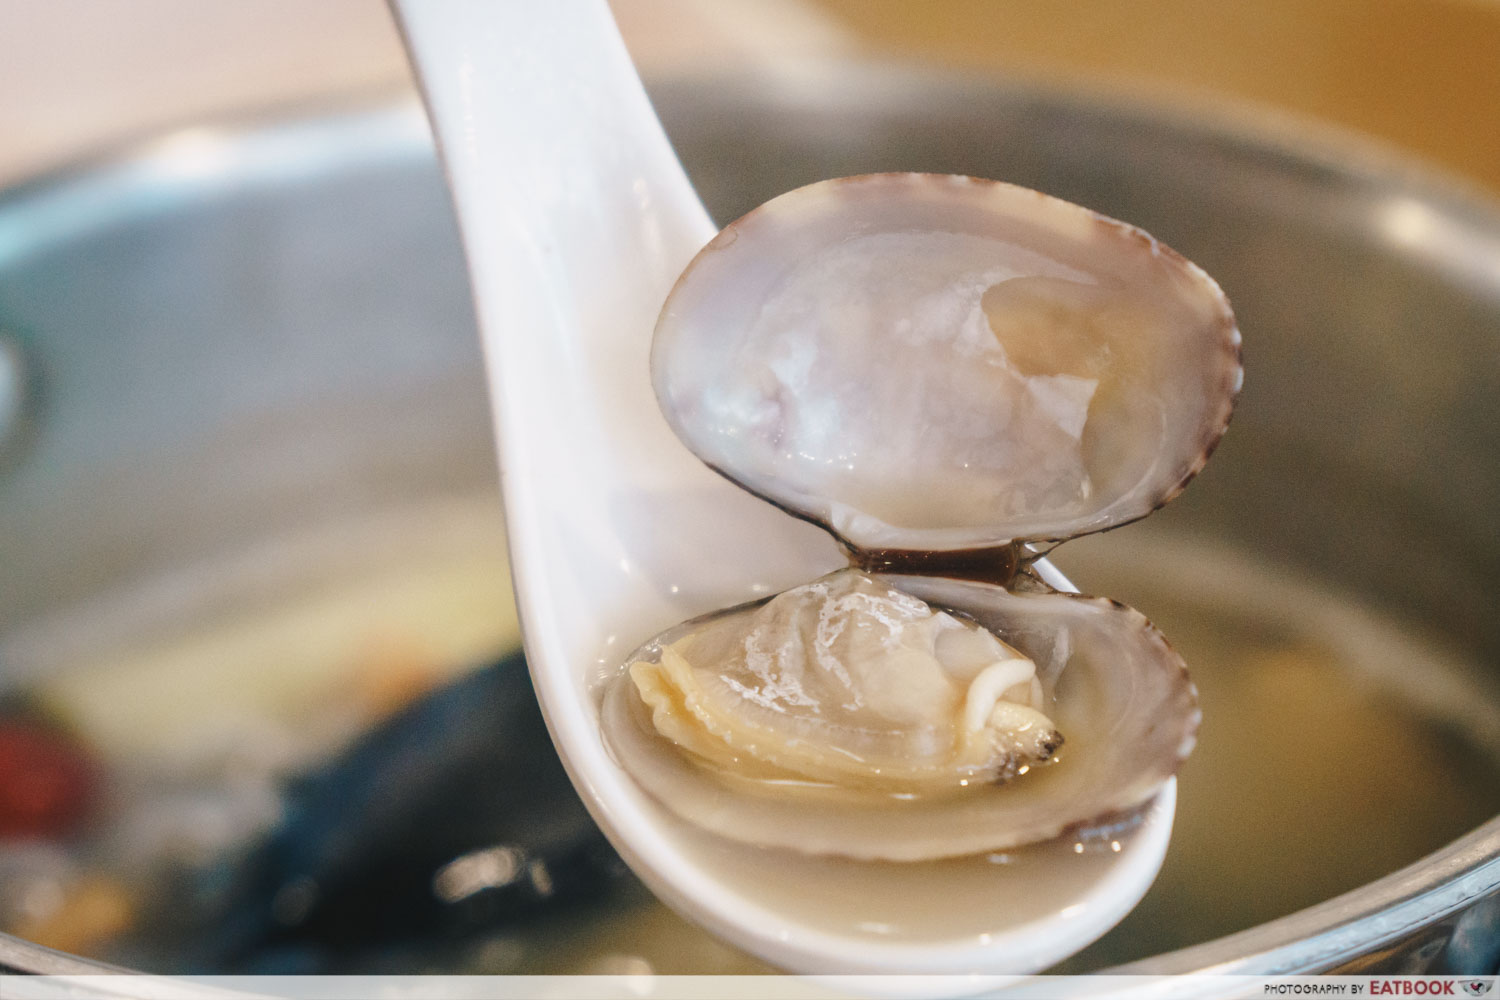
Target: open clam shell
934,363
1111,682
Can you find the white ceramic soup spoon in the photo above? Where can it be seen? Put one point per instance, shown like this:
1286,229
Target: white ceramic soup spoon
576,219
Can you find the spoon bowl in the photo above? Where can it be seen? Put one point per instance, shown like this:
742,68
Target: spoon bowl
576,220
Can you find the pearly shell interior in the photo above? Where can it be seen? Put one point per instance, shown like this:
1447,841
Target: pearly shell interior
935,363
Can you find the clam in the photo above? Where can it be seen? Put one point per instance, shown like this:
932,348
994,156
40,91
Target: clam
942,372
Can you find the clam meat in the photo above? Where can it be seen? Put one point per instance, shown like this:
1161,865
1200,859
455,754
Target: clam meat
850,682
939,371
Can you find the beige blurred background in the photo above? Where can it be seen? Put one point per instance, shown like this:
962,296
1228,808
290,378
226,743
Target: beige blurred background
78,75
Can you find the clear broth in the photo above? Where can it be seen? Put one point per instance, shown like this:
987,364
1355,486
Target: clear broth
1337,747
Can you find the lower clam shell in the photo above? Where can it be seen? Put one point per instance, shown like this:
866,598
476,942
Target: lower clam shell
1115,688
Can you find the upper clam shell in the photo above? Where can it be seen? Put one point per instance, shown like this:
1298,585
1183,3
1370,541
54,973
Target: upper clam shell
936,363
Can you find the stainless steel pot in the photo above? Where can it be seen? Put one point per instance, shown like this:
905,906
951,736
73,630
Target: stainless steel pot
248,333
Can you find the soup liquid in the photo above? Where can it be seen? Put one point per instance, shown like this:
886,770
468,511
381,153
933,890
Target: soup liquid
1335,749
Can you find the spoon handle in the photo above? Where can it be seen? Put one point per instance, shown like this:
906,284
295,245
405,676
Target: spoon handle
546,130
576,219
